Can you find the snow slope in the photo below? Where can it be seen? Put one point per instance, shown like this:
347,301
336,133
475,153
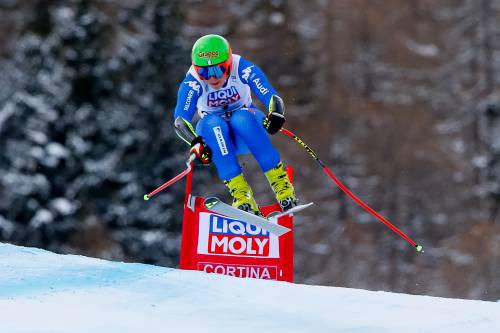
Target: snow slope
44,292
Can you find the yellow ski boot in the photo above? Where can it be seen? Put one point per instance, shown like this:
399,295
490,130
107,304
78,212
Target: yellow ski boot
242,195
283,189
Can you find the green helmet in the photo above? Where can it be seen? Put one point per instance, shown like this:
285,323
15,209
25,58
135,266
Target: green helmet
210,50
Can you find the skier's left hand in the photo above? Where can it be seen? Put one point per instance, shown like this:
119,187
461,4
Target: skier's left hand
276,117
201,150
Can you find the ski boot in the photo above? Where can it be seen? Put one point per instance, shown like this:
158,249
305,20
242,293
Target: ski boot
242,195
283,189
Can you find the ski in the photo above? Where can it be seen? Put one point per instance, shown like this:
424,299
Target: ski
274,216
216,205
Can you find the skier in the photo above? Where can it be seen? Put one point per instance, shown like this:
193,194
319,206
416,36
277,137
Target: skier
218,85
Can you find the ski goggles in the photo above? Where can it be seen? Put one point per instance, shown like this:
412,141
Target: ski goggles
217,71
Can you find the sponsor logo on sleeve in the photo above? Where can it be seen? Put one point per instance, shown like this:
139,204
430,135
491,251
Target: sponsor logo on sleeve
246,73
194,85
188,100
263,90
220,235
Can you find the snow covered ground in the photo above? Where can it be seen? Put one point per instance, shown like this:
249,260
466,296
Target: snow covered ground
45,292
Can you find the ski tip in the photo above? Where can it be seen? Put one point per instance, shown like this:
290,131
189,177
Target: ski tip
419,248
146,197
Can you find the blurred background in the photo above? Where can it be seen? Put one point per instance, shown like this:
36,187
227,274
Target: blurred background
400,98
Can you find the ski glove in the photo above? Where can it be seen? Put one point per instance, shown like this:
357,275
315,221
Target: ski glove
276,117
201,150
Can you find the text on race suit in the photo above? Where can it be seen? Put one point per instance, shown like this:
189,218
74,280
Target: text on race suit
223,97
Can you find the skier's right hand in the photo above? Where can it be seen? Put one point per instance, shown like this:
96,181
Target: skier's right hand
201,150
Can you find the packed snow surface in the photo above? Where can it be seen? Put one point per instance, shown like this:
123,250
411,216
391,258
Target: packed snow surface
45,292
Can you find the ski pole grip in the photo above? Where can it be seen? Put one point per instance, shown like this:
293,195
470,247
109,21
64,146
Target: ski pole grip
190,160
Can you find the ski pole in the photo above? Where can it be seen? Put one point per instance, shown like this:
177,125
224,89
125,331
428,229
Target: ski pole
330,174
189,164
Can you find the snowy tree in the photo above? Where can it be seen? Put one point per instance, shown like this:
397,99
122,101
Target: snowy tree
88,131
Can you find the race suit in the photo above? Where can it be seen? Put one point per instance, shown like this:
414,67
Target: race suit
230,124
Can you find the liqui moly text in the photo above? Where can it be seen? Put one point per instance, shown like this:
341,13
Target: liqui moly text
220,235
223,97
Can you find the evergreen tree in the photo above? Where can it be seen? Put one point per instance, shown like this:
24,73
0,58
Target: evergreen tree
89,131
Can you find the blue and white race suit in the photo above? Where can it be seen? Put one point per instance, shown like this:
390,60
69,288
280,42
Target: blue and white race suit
230,124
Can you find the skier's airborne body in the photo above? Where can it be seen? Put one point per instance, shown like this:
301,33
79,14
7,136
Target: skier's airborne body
219,85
